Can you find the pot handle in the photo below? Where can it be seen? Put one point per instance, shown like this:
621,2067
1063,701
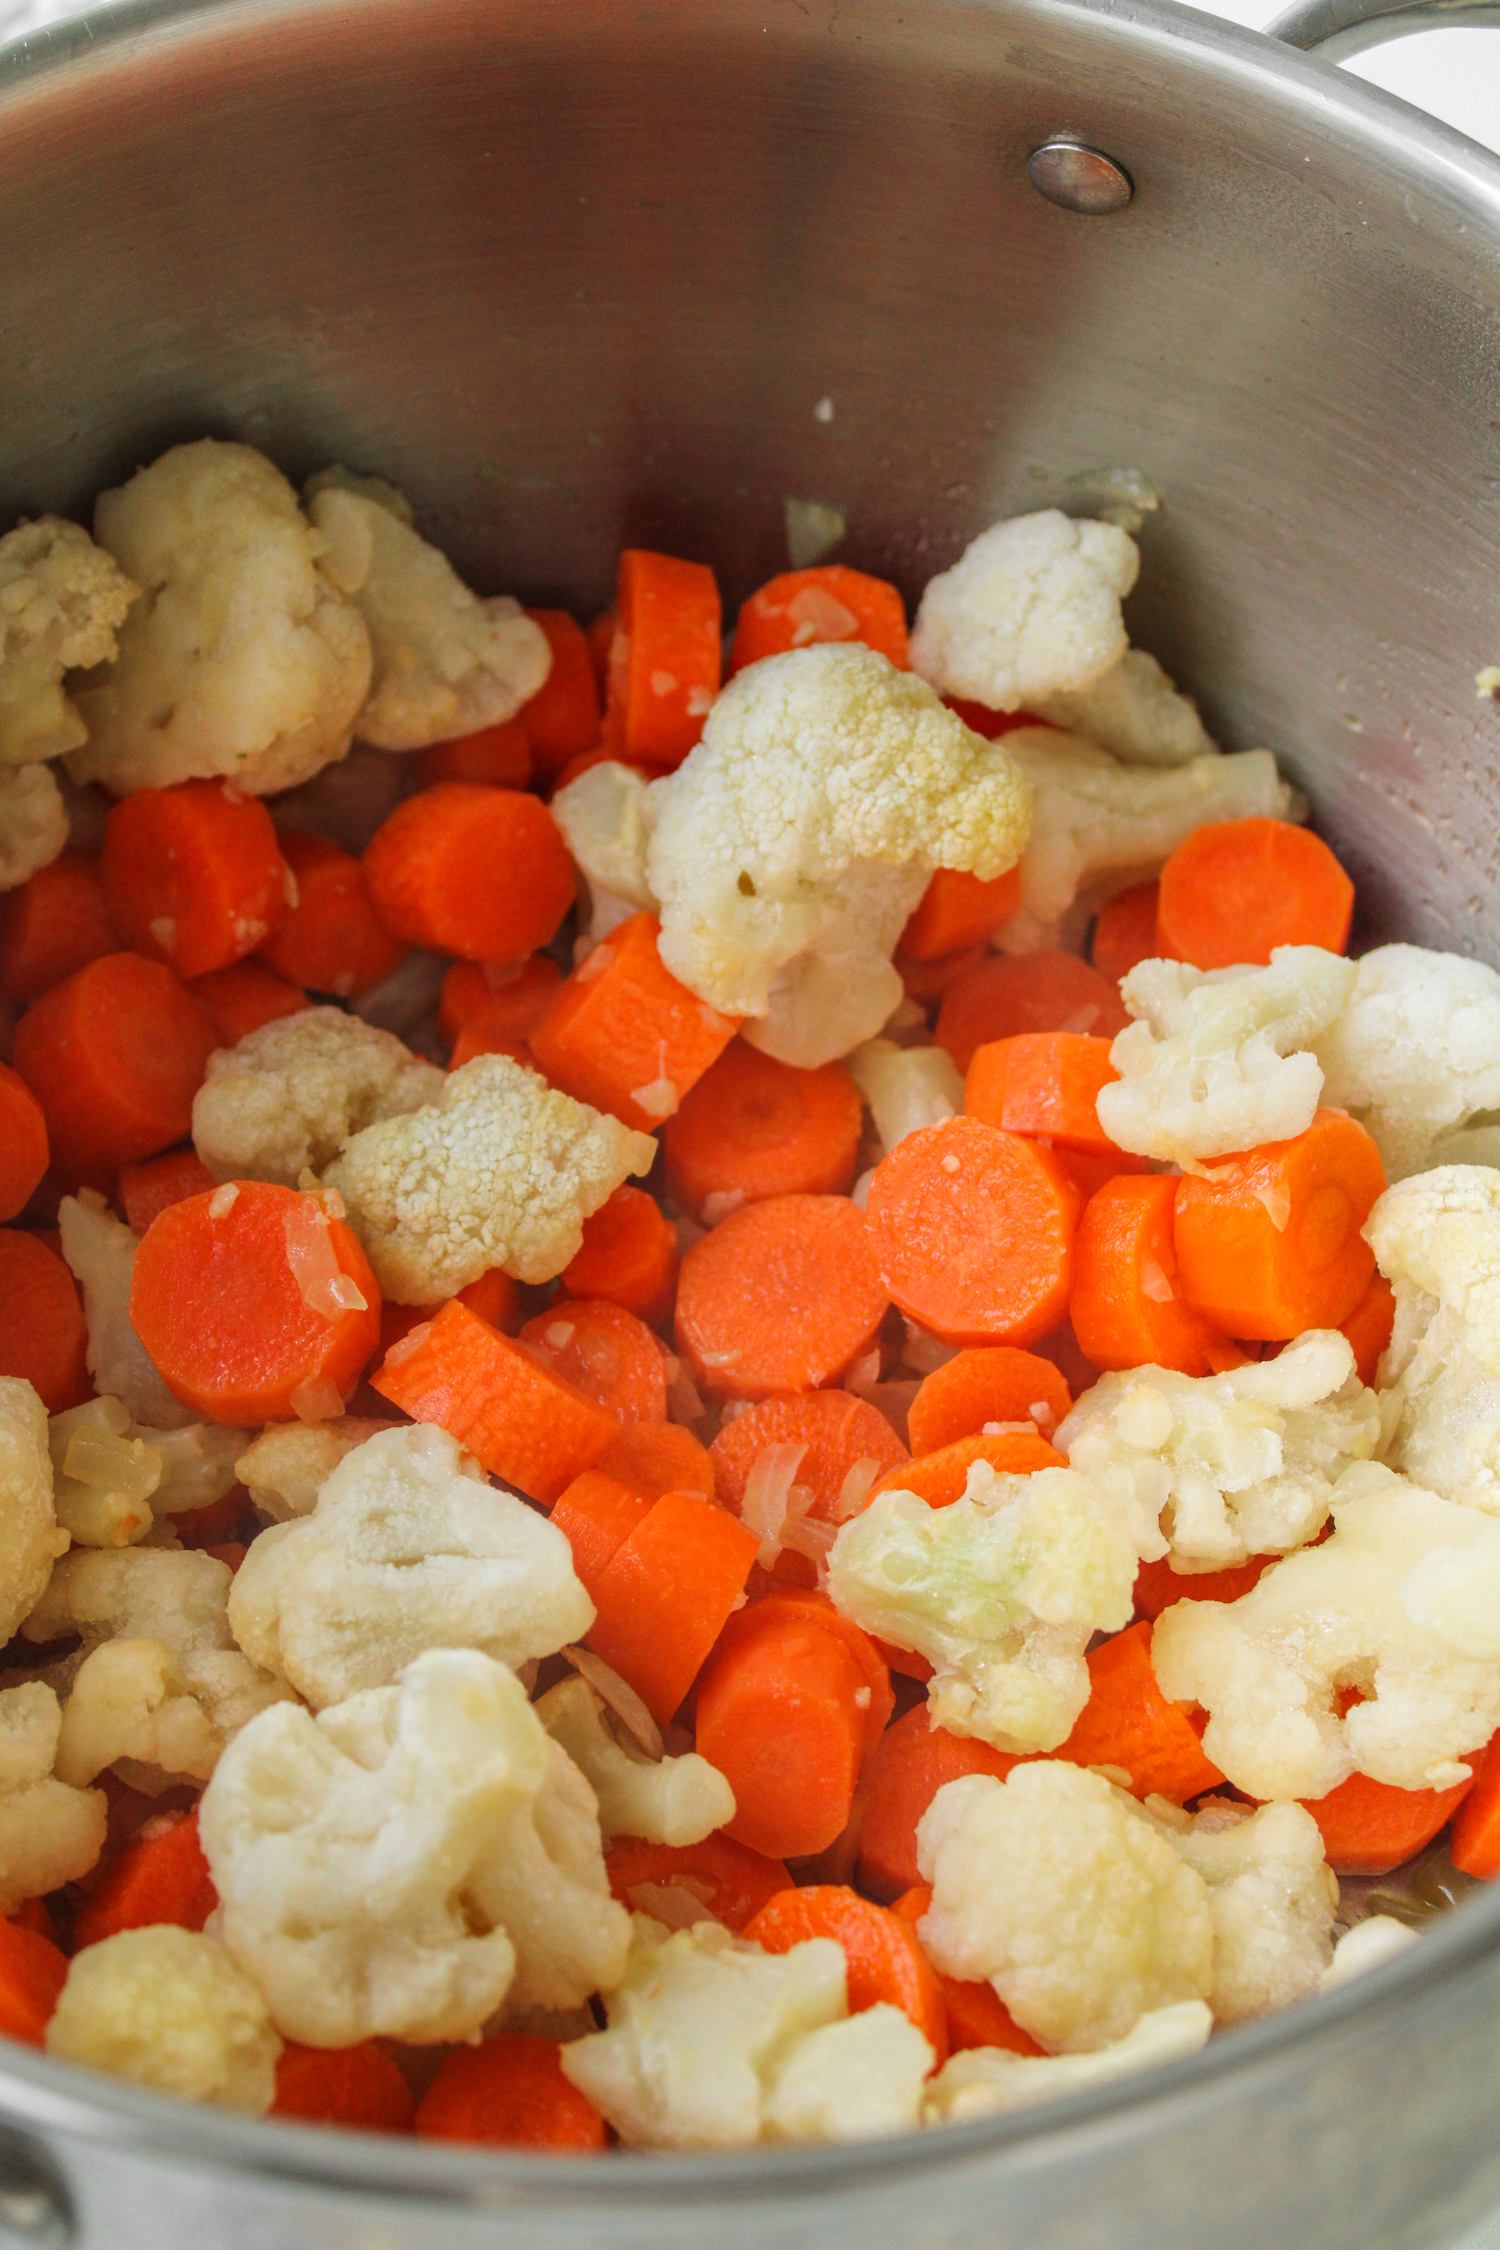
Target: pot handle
1336,29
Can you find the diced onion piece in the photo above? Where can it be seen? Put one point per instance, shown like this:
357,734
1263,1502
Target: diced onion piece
855,1489
321,1282
1278,1206
106,1462
720,1204
678,1904
621,1698
223,1200
658,1099
318,1399
764,1506
1154,1283
817,615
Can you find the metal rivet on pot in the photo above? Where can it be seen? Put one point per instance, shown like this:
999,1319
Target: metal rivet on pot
1079,178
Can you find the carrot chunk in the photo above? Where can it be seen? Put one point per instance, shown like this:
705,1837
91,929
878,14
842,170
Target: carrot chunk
733,1882
33,1972
43,1338
1475,1845
1369,1326
1047,1083
1127,1722
239,999
359,2088
1235,889
656,1457
475,871
927,981
1368,1827
150,1188
835,1446
958,910
192,874
939,1478
753,1127
884,1960
606,1353
909,1765
629,1256
499,757
992,724
330,939
827,603
499,1004
1127,1305
779,1297
664,657
624,1035
993,1383
162,1876
665,1594
23,1143
1015,992
1125,932
596,1514
1158,1585
53,924
977,2016
563,718
509,2093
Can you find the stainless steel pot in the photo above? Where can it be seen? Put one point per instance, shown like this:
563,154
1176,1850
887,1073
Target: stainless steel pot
572,271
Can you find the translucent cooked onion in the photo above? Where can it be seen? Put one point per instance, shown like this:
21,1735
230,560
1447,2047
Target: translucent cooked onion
676,1905
317,1400
855,1489
763,1509
621,1698
322,1284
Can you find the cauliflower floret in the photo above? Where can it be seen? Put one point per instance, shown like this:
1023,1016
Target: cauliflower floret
1416,1052
1400,1603
499,1170
1135,713
1000,1592
50,1834
1221,1062
1055,1886
606,817
30,1539
445,662
197,1466
1377,1938
984,2081
1229,1465
100,1249
1272,1897
544,1880
1031,608
288,1465
285,1100
103,1476
906,1087
666,1800
700,2027
241,658
788,851
155,1716
408,1548
147,1593
33,823
169,2009
851,2081
61,598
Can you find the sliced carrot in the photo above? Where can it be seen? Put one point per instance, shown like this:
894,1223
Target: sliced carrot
1014,992
664,1596
664,658
52,924
623,1034
149,1188
1368,1827
827,603
1090,1170
1128,1723
241,998
1047,1083
733,1882
162,1876
884,1961
1475,1845
1369,1326
500,757
596,1513
503,1001
329,939
1125,932
1158,1585
977,2016
779,1297
33,1972
958,910
629,1256
1236,888
992,724
753,1127
517,1416
192,875
359,2088
255,1305
509,2093
606,1353
563,718
843,1445
973,1231
43,1336
23,1143
470,870
927,981
939,1478
114,1054
909,1765
656,1457
994,1383
1269,1243
1127,1305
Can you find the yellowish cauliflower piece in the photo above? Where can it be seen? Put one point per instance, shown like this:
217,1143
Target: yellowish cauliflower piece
667,1800
241,658
168,2009
156,1715
33,823
1135,713
852,2080
285,1100
1223,1062
286,1467
1000,1591
445,662
606,817
500,1170
1272,1897
1228,1465
61,598
50,1834
100,1249
985,2081
30,1539
1030,609
1416,1052
1377,1938
906,1087
140,1592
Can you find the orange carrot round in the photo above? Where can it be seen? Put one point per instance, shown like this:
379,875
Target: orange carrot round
733,1882
780,1297
146,1189
884,1960
501,1003
239,999
1128,1722
330,939
470,870
1475,1845
1015,992
359,2088
596,1513
606,1353
958,910
993,1383
753,1127
1125,932
1127,1305
33,1972
1369,1327
977,2016
665,1594
192,874
927,981
845,1444
509,2093
1368,1827
1047,1083
563,718
827,603
909,1765
52,924
629,1256
23,1143
651,1458
161,1876
664,657
1158,1585
43,1338
1235,889
498,756
939,1478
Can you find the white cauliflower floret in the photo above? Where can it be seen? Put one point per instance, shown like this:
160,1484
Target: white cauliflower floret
1030,609
157,1716
445,662
500,1170
168,2009
984,2081
408,1548
1272,1897
100,1249
1221,1062
286,1467
1055,1886
1135,713
285,1100
853,2080
788,851
33,823
137,1592
1416,1052
197,1466
1436,1238
103,1475
1229,1465
606,817
906,1087
30,1540
1377,1938
240,658
1400,1603
1000,1591
544,1879
667,1800
61,598
700,2027
50,1834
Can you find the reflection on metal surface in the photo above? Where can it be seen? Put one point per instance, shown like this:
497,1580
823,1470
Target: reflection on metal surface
35,2212
1078,178
1336,29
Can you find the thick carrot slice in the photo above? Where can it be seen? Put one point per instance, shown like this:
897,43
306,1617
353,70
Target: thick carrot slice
656,1457
1090,1170
606,1353
563,718
509,2093
501,1003
909,1765
1128,1723
596,1515
664,657
216,1528
753,1127
1127,1305
43,1338
992,724
828,603
500,757
1369,1326
927,981
1158,1585
160,1877
844,1444
192,875
958,910
150,1188
973,1230
114,1054
242,997
1269,1243
977,2016
1475,1845
329,939
665,1594
1015,992
623,1034
23,1143
780,1297
479,872
33,1972
629,1256
733,1882
518,1417
255,1305
994,1383
359,2088
939,1478
884,1960
1368,1827
1237,888
603,753
53,924
1047,1083
494,1296
1125,932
